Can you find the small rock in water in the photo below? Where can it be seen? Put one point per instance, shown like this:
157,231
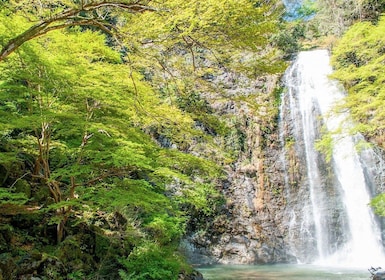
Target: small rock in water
379,276
195,275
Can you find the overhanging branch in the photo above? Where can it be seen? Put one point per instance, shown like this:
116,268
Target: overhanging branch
71,17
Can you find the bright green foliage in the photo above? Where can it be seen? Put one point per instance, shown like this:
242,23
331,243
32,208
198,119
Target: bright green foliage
192,39
47,16
73,122
11,201
207,22
201,197
148,261
90,96
378,203
358,60
325,145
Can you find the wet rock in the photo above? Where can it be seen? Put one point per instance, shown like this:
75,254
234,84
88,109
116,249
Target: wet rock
251,227
195,275
379,276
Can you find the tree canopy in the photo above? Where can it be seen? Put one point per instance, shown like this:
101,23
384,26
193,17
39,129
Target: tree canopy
47,16
99,106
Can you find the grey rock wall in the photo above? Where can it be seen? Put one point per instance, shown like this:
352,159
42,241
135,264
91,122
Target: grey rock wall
251,227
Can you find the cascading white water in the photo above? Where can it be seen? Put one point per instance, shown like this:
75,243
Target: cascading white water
334,216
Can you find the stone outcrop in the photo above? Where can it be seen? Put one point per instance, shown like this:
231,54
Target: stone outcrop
251,227
194,275
267,189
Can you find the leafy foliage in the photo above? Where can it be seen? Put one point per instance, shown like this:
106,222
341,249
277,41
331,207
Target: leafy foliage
150,262
289,39
358,59
81,129
378,203
104,120
335,17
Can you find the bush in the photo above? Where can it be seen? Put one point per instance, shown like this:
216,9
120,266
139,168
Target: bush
151,262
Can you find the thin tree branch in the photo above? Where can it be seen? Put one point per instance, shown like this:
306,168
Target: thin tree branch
67,18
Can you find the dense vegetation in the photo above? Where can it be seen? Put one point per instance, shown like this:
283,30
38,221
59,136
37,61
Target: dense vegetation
359,61
109,145
337,16
103,157
322,23
358,55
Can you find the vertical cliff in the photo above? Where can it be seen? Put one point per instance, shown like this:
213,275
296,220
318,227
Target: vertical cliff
250,227
285,200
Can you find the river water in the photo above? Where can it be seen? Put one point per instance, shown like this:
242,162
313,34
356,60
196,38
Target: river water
287,272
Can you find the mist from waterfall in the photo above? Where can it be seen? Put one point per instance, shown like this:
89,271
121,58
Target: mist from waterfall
330,221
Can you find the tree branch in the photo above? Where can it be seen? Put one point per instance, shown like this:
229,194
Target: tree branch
70,17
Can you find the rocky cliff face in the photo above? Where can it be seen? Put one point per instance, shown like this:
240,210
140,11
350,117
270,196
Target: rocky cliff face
251,227
267,189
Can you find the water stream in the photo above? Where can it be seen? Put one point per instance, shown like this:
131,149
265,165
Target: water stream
337,217
287,272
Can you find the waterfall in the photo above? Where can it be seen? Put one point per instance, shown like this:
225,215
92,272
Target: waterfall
329,220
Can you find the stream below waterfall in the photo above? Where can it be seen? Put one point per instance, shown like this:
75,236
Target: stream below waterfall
287,272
